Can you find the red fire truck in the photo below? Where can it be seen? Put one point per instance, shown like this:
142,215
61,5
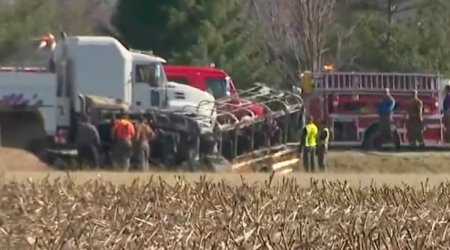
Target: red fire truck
214,80
348,101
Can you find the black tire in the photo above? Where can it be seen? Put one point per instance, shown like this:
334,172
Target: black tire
372,141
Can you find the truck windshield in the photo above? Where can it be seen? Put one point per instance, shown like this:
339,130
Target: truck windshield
153,74
218,87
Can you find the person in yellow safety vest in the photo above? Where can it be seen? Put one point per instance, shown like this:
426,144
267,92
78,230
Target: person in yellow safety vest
308,144
322,144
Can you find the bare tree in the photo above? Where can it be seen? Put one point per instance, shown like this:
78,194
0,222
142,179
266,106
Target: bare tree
294,31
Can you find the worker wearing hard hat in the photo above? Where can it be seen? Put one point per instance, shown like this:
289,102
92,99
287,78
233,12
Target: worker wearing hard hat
47,42
446,111
414,120
308,144
123,133
323,139
386,112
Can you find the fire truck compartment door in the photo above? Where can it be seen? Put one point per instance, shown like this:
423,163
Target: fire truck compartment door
345,129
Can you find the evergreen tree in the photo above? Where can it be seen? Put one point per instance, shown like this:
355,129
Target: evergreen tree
221,37
194,32
432,35
143,24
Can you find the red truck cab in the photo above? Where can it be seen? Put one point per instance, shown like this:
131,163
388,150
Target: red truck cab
214,80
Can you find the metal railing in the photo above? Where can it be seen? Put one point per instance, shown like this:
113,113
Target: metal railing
367,82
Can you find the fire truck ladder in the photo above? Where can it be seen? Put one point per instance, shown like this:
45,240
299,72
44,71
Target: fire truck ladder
376,82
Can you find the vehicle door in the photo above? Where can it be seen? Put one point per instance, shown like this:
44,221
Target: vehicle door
150,86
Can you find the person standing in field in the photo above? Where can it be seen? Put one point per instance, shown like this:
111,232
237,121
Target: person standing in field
87,141
386,112
322,144
106,136
446,111
123,133
308,144
414,121
144,134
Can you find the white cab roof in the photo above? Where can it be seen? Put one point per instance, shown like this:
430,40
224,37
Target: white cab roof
144,58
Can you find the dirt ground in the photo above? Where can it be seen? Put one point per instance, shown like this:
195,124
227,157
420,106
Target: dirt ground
19,160
338,162
357,168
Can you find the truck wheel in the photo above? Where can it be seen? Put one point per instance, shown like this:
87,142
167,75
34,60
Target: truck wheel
372,141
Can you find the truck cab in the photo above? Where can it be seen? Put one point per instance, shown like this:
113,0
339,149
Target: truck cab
95,66
215,81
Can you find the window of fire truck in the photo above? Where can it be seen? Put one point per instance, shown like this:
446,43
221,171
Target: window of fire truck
217,87
359,107
354,107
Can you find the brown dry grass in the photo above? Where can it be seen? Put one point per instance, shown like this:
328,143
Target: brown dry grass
413,162
201,214
355,206
303,180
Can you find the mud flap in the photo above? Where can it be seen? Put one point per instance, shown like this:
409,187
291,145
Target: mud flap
23,129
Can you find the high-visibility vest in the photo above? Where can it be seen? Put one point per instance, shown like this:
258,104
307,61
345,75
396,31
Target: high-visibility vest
327,137
124,129
311,135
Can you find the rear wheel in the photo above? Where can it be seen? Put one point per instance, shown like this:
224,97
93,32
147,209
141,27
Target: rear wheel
374,141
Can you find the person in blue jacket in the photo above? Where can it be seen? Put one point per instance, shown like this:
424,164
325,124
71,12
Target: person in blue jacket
385,112
446,111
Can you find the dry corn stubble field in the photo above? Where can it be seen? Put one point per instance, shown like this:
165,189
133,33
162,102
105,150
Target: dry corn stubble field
104,210
278,213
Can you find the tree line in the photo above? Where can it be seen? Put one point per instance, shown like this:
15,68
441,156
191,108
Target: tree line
254,40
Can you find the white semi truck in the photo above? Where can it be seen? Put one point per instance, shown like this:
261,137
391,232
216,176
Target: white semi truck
91,74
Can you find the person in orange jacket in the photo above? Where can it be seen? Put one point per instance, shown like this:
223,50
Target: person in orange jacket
123,134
